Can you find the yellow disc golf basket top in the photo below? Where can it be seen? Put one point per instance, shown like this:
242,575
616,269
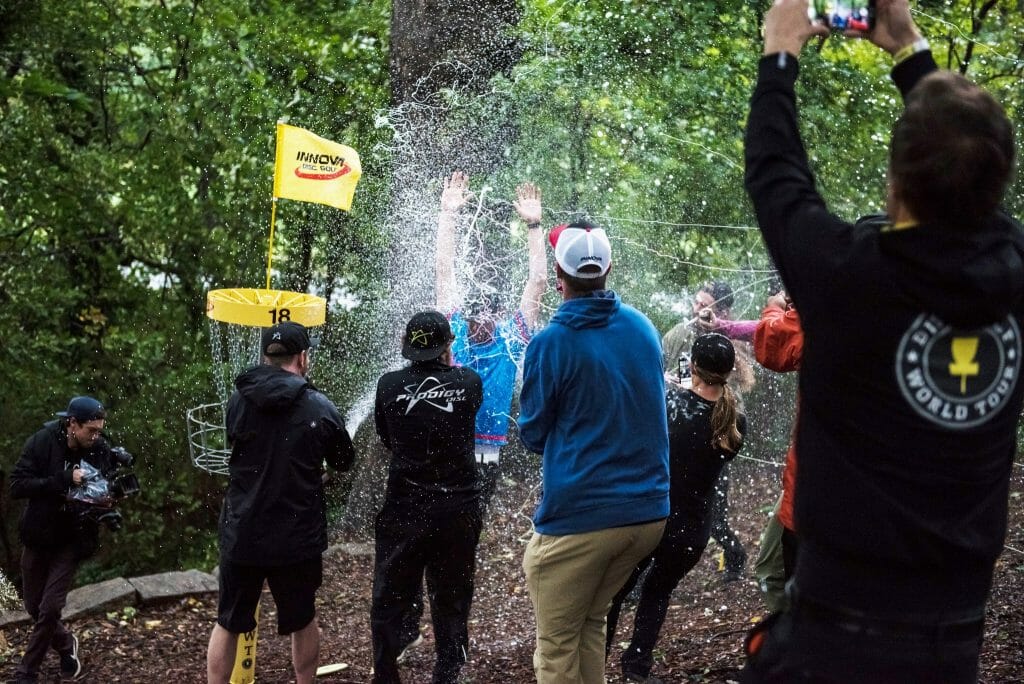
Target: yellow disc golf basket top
236,317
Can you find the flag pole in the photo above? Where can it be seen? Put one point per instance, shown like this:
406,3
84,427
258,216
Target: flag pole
270,247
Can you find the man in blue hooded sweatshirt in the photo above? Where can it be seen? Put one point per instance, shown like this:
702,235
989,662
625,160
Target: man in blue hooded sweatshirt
593,405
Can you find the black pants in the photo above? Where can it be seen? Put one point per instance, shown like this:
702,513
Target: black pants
409,543
811,645
487,473
679,550
47,577
735,554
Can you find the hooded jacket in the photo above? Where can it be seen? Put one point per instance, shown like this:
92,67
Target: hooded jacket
43,475
281,430
909,385
779,346
593,404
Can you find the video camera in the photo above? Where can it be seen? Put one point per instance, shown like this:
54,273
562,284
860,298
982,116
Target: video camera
102,490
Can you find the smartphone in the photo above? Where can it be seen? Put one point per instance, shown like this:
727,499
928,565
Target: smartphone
683,371
852,15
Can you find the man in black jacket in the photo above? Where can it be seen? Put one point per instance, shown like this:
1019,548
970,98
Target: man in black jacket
56,538
273,526
910,385
425,414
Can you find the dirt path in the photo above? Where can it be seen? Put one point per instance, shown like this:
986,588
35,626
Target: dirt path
701,640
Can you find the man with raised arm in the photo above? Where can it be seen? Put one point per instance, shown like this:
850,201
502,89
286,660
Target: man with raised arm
485,340
910,388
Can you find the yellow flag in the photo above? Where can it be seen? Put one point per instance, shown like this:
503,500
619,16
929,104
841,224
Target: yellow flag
309,168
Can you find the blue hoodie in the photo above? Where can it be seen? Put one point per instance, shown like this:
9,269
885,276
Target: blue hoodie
593,403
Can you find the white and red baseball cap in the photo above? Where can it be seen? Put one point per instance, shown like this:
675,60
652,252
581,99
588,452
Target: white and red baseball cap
581,250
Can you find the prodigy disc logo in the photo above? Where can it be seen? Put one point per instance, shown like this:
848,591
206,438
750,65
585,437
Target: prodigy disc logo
958,378
432,392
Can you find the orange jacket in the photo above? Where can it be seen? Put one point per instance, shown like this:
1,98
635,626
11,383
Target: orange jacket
779,346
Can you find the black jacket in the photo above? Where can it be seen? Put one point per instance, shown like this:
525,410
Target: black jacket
425,414
694,462
43,475
281,430
910,385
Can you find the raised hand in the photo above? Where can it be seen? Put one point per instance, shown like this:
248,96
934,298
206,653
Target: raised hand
894,27
787,28
456,192
780,300
528,204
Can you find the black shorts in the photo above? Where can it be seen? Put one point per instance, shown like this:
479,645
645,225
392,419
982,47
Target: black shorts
292,586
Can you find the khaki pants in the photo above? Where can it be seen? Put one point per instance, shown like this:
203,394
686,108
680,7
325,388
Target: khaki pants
572,580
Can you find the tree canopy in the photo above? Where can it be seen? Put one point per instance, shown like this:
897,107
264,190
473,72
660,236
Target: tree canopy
138,155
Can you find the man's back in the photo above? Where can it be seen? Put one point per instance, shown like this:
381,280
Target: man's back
924,426
593,404
425,415
281,430
910,390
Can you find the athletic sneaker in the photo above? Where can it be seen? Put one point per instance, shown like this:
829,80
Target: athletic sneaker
412,644
70,665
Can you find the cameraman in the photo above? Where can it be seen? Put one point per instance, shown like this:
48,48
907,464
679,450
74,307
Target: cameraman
910,386
55,538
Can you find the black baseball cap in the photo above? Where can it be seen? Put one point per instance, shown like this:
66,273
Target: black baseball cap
714,353
426,336
292,336
84,409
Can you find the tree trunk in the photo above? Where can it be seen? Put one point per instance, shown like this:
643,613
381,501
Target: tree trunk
444,54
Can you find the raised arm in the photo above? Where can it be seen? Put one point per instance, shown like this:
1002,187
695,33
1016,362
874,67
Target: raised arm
453,197
528,206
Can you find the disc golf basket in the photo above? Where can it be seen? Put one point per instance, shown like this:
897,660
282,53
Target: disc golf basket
236,318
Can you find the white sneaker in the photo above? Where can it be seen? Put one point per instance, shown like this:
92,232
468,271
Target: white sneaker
412,644
70,665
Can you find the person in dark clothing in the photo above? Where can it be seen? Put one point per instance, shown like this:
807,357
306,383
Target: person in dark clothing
705,432
712,312
430,523
273,526
52,464
914,325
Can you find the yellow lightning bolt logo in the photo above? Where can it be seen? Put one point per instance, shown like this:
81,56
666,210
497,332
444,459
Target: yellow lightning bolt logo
420,338
964,350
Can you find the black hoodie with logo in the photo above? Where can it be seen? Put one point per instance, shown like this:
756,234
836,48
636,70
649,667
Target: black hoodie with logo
910,385
281,431
426,415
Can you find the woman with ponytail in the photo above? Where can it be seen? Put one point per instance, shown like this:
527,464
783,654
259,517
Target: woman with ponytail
705,432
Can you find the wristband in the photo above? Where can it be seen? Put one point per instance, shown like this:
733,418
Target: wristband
533,226
908,51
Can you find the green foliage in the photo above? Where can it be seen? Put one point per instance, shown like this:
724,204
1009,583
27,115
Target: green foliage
138,144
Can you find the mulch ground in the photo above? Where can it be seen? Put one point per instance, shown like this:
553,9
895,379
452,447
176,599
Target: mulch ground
701,640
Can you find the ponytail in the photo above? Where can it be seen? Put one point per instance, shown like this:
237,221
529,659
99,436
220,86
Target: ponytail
725,434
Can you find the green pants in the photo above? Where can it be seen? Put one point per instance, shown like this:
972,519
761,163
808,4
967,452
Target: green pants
768,568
